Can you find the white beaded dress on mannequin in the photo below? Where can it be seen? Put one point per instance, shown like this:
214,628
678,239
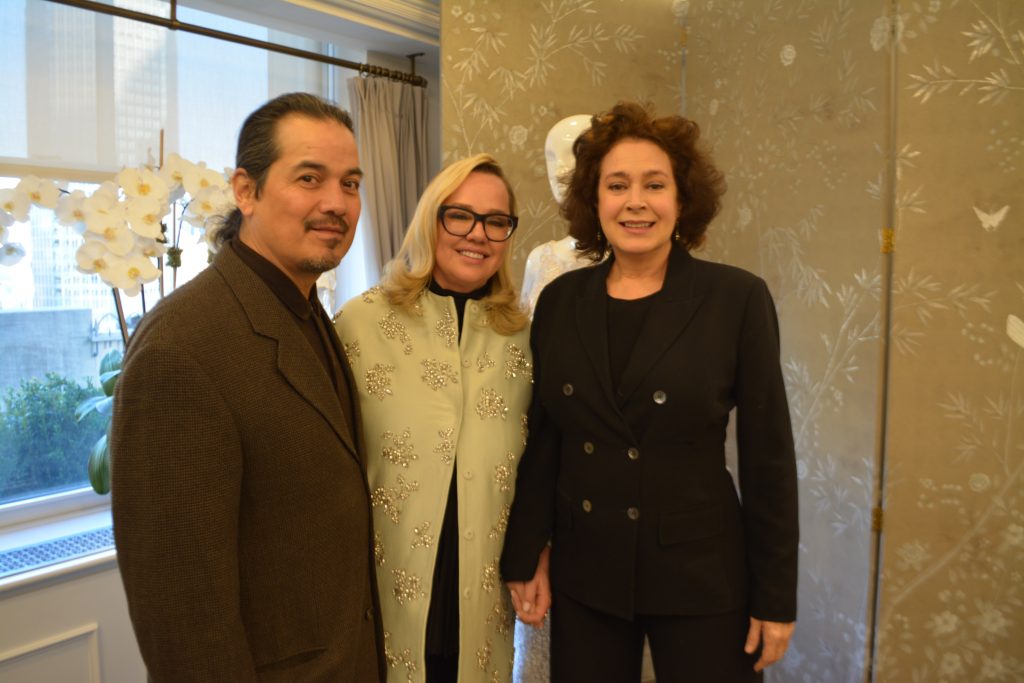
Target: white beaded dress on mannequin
549,260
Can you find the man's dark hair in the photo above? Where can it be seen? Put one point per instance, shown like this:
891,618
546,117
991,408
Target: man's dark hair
257,143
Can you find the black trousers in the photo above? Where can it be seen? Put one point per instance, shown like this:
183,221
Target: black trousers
588,645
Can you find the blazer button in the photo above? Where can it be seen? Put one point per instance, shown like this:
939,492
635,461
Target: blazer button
369,614
468,474
633,453
468,534
587,507
660,397
567,389
633,513
465,363
588,447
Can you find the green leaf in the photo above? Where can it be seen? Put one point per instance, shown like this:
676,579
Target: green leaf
100,404
108,380
111,361
99,466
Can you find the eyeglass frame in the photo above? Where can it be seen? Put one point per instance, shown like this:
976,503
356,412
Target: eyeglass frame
480,218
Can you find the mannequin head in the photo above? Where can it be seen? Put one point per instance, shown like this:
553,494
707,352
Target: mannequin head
558,150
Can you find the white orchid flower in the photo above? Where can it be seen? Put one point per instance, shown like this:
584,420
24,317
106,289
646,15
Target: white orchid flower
173,173
108,191
5,233
199,177
41,192
150,248
130,273
93,256
71,209
99,214
112,230
142,182
6,220
15,202
208,202
145,215
11,253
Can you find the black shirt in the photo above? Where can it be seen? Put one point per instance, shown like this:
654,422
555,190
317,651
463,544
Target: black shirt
625,320
442,638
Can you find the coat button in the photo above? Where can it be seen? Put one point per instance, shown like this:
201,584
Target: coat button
468,474
567,389
633,513
369,614
633,453
466,593
587,507
468,535
465,363
588,447
660,397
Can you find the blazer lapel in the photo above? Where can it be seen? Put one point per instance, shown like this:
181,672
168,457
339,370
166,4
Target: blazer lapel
670,313
295,359
592,324
302,369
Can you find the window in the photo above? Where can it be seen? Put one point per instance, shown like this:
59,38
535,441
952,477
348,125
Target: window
84,95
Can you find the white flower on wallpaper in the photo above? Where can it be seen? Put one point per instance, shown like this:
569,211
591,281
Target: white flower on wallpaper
943,623
517,135
680,9
787,55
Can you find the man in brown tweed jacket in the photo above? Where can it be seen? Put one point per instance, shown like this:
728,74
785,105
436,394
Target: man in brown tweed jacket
240,502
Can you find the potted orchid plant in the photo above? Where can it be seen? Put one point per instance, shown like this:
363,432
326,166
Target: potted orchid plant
131,228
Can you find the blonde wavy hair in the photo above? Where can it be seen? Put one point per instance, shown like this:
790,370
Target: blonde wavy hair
409,273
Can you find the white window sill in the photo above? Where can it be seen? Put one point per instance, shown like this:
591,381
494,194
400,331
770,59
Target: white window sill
48,518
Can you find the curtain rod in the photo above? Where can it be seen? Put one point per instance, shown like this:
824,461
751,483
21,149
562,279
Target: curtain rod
174,25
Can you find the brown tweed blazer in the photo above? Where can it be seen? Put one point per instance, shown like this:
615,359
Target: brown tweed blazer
240,502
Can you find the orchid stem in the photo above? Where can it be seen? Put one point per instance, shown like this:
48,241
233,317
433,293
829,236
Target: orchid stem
120,316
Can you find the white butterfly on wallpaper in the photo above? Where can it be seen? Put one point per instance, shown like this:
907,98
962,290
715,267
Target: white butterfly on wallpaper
991,221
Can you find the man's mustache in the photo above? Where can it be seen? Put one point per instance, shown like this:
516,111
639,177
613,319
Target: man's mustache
327,223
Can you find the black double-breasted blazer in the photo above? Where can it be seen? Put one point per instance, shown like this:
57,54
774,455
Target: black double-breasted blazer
629,483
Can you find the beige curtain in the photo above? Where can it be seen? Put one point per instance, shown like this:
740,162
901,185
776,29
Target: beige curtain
391,129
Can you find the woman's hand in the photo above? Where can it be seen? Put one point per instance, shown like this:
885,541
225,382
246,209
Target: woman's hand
532,598
774,637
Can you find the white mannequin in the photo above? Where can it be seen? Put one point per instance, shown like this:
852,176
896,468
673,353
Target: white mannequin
551,259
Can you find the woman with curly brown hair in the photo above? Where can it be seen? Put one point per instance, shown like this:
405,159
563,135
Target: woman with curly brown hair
638,362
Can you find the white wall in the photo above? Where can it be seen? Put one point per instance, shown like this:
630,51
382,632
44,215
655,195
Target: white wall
68,628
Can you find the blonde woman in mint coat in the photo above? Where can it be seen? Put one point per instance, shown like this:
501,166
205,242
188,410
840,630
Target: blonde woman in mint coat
441,358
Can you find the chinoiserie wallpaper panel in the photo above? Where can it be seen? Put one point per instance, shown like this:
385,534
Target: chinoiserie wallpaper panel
952,589
511,70
792,96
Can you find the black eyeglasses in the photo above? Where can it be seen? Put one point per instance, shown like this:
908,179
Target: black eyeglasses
458,221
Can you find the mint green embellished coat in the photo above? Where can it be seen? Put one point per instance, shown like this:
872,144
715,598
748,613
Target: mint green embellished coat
430,403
